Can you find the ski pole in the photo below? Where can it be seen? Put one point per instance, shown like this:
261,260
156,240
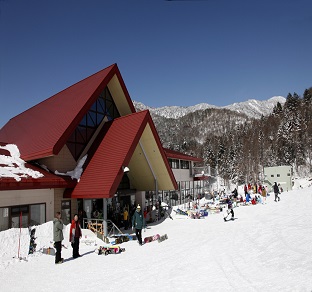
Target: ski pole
19,239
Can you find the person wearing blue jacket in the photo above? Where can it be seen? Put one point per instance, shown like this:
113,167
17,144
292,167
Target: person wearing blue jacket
138,223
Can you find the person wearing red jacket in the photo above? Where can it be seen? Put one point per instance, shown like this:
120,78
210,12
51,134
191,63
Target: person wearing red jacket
75,235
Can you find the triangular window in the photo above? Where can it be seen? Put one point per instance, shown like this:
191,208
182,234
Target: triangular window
103,107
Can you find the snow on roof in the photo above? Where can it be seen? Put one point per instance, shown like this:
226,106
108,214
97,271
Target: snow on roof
12,166
77,172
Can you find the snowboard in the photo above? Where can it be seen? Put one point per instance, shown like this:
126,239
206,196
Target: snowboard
32,244
179,211
151,238
162,238
231,219
113,249
120,238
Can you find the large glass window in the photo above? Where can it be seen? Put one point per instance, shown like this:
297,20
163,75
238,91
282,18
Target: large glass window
185,164
174,163
37,214
4,219
25,215
103,107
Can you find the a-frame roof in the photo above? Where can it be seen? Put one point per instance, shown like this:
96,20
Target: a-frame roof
130,141
43,130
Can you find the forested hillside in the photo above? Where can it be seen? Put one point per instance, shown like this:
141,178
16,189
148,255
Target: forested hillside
239,146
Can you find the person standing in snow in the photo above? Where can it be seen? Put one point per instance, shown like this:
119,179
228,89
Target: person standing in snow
125,217
235,195
230,208
58,237
74,236
138,223
276,192
245,189
264,194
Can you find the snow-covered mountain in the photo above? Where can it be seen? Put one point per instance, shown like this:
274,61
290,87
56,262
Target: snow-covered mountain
252,108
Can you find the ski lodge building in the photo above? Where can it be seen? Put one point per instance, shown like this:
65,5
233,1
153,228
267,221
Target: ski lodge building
93,152
282,175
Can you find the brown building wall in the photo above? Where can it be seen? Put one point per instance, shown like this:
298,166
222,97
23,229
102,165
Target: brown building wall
63,162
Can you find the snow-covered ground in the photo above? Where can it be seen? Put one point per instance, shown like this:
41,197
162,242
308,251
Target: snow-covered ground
267,248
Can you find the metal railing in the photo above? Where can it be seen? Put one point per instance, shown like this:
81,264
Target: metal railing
96,225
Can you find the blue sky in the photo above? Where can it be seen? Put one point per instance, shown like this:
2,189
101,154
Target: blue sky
169,52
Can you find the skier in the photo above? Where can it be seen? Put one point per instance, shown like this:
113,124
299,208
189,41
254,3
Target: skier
138,223
276,192
58,237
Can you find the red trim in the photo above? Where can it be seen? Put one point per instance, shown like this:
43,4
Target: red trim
196,178
178,155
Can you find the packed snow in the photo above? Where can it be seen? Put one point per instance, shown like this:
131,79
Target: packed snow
266,248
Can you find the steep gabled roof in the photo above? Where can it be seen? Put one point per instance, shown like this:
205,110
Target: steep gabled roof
43,130
178,155
131,141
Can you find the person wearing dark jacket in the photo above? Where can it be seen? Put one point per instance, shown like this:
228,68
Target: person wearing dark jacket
75,235
138,222
276,192
235,195
58,237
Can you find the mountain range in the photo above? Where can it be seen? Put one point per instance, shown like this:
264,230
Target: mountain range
252,108
178,125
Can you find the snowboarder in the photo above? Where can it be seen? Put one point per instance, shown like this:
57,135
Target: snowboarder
276,192
58,237
138,223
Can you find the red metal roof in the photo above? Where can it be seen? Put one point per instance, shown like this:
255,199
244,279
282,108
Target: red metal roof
44,129
103,174
178,155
